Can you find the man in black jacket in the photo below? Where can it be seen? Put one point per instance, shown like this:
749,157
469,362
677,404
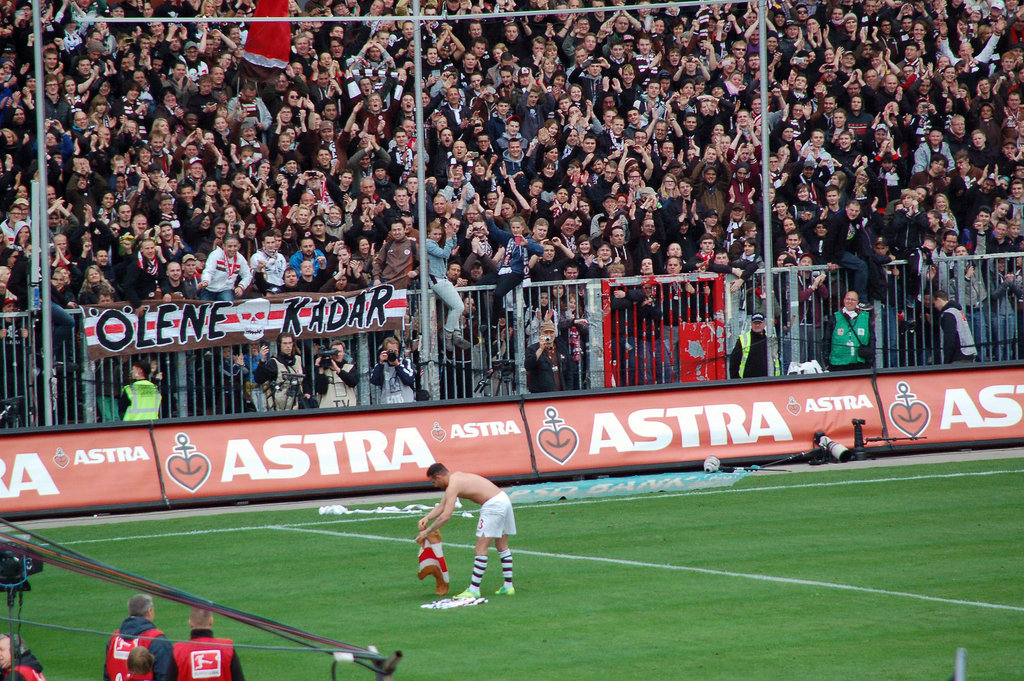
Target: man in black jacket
546,362
752,356
845,245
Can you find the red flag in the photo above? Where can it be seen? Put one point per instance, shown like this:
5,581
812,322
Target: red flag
432,562
268,44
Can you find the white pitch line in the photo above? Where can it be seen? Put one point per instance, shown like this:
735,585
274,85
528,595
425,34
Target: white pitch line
543,505
683,568
247,528
768,488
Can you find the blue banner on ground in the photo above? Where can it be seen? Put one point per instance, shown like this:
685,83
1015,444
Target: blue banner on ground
610,487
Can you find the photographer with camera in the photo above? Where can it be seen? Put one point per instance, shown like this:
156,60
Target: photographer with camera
393,374
336,377
288,387
546,361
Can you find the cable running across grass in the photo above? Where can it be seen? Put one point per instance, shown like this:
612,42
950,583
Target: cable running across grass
105,635
39,548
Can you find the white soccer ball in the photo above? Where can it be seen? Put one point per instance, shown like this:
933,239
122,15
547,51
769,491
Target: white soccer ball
712,464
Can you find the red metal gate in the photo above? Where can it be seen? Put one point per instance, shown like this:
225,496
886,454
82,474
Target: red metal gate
663,329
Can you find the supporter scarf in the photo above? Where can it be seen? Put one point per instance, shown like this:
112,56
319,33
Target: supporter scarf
324,199
228,266
574,343
512,249
485,248
150,267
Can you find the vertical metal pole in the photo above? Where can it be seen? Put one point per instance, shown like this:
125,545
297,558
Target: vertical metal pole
40,223
364,364
518,325
766,180
89,397
426,340
595,333
40,276
181,379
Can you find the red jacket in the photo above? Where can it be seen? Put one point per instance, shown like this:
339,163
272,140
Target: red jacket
117,654
204,658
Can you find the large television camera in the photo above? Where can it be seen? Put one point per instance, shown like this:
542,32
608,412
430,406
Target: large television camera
15,567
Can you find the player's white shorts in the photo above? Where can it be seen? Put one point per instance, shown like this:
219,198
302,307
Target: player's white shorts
496,517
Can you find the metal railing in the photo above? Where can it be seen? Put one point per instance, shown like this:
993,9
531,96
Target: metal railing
605,350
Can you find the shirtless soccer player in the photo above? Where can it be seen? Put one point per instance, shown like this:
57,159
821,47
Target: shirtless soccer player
497,521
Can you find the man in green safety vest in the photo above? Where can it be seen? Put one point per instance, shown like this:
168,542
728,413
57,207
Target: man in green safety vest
753,354
140,400
849,344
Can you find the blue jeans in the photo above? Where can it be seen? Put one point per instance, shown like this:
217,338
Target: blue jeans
670,355
979,328
446,292
890,335
226,296
849,261
1003,332
63,327
810,343
649,361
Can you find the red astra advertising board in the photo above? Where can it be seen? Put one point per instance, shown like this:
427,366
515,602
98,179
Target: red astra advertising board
964,407
675,426
78,469
305,453
309,452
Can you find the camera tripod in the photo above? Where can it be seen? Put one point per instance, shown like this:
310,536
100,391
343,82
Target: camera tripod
497,380
293,392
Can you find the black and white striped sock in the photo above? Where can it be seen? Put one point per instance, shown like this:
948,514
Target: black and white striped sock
479,567
506,565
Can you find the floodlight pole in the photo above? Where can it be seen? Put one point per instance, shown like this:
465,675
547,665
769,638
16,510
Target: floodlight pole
766,174
40,221
426,297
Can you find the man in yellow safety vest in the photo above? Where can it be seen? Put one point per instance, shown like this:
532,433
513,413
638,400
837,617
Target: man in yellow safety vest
753,354
140,400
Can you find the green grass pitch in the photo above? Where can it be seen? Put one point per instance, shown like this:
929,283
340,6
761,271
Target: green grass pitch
875,573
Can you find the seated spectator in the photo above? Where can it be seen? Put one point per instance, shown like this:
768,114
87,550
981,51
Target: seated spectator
514,265
227,274
267,264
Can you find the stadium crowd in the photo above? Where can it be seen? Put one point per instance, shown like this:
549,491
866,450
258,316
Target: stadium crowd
558,147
